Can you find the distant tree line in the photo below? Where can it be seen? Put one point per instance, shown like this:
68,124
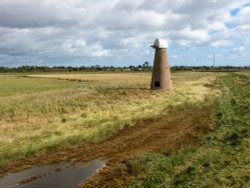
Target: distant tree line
144,67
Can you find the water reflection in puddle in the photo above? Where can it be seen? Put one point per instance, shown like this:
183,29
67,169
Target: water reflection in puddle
60,175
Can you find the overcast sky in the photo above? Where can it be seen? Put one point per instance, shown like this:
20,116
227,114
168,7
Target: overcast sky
119,32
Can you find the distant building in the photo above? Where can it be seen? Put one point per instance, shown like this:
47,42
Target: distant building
161,77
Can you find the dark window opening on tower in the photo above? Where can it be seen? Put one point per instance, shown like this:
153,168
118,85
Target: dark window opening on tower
157,84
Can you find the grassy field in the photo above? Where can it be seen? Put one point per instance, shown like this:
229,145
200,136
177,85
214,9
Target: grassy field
44,114
222,160
107,79
13,85
40,121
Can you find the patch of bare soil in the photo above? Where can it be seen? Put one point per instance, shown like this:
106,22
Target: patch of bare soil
179,129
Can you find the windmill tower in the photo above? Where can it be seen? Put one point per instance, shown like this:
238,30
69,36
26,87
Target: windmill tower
161,77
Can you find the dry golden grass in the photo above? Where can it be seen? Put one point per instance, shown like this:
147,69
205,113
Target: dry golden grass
115,79
31,123
246,73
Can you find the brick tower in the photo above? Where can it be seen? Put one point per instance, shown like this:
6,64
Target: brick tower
161,77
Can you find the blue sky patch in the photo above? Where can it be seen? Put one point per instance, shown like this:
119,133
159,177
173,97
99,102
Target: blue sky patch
235,11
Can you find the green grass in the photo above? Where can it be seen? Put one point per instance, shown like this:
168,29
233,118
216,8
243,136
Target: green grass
13,85
223,159
49,120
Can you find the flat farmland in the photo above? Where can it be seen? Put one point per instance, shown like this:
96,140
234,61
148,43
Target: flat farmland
43,112
14,85
115,79
47,118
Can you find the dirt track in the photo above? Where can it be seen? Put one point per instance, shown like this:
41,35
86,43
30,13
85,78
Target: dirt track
179,129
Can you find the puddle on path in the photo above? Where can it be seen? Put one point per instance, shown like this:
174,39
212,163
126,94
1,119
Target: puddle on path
60,175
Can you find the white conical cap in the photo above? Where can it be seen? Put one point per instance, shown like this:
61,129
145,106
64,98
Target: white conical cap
160,43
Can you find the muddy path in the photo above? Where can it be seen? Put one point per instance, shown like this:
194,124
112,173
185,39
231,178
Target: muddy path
178,129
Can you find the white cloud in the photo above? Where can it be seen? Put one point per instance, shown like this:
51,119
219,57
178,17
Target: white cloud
85,28
221,43
239,51
100,53
242,17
